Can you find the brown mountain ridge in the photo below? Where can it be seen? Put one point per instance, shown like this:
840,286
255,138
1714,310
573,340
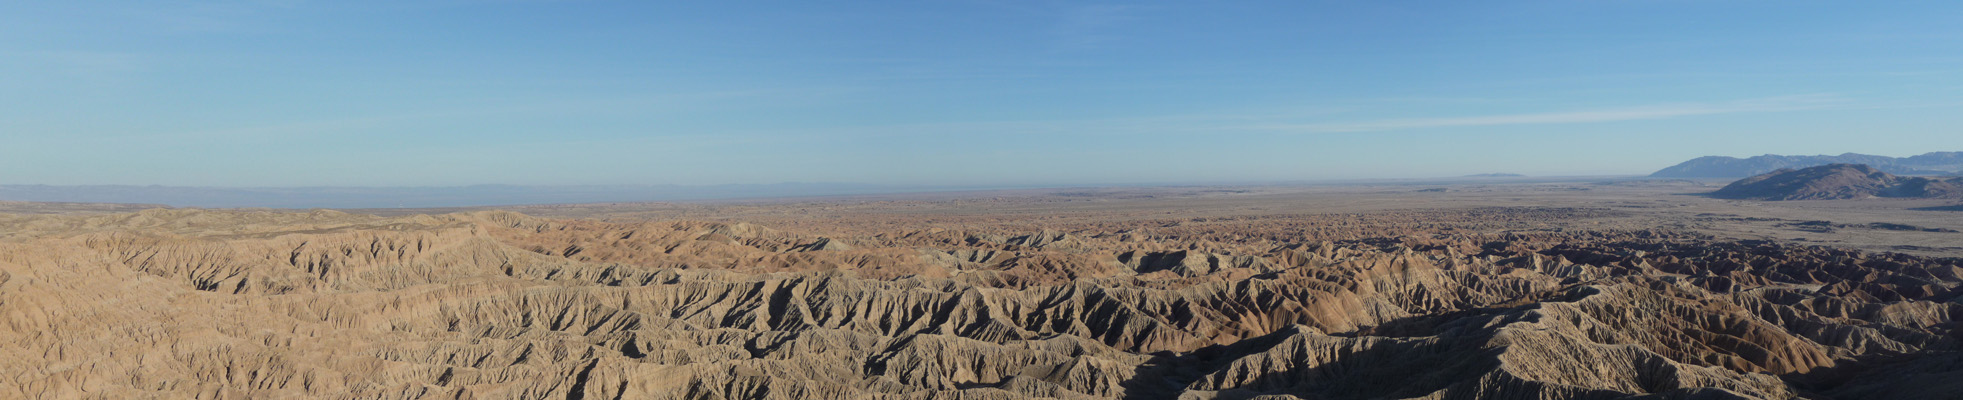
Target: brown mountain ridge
1839,181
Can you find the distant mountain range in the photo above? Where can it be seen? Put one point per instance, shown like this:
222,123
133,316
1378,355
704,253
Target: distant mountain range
1839,181
1936,163
417,197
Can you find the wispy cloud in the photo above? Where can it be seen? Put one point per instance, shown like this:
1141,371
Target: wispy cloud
1291,121
86,62
76,69
1662,111
226,16
1075,25
1089,25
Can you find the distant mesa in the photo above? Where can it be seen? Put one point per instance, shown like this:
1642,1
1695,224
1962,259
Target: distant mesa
1936,163
1839,181
1496,175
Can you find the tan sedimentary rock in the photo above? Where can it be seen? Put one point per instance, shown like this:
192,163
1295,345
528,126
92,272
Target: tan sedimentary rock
496,305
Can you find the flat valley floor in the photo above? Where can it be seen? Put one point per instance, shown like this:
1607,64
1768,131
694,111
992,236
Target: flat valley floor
1911,226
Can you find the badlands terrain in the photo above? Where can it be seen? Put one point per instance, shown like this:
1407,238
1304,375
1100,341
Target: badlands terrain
1481,288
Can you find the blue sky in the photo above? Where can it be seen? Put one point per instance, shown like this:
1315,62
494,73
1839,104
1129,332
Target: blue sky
300,93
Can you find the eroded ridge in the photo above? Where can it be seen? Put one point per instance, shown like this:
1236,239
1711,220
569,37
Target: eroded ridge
1483,303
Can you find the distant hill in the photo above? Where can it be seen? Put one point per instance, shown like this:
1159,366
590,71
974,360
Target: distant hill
1839,181
1496,175
1936,163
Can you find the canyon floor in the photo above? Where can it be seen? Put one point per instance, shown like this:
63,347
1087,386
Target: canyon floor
1463,289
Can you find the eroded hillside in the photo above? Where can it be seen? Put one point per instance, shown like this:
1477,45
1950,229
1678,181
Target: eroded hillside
1478,303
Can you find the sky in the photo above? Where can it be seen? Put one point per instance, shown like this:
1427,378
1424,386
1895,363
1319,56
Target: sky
970,93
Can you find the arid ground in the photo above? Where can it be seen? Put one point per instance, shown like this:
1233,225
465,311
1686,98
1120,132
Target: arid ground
1518,289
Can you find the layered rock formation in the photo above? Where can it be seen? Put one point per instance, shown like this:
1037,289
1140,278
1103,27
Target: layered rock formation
494,305
1839,181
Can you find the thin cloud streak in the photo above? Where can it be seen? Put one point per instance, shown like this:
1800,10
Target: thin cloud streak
1774,104
1187,124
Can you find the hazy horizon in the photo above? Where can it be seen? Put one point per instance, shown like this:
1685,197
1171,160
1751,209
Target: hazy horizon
1060,184
965,93
376,197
